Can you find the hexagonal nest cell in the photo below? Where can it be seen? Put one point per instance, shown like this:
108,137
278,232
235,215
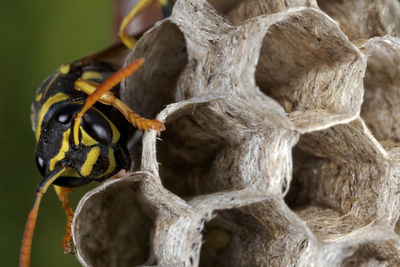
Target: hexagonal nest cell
280,146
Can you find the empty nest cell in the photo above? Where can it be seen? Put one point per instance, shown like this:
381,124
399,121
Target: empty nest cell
380,108
152,87
119,225
305,67
239,84
364,19
237,11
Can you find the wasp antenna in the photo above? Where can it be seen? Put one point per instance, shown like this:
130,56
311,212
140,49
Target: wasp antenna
103,88
25,254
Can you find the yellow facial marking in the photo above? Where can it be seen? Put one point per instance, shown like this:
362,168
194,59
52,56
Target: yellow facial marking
92,75
116,134
111,162
43,111
91,159
55,76
38,97
64,148
65,68
87,140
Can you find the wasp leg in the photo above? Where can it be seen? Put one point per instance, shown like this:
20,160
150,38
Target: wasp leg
101,93
137,9
109,99
67,243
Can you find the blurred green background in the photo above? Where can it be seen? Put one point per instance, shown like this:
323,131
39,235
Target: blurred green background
36,38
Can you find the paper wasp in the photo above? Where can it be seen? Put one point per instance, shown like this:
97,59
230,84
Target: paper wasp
81,126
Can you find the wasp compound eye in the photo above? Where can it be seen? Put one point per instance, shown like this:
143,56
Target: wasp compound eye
40,164
64,115
97,127
80,128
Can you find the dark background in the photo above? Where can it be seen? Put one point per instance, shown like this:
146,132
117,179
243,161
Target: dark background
36,38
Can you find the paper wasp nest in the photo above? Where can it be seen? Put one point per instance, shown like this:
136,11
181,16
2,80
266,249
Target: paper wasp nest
282,141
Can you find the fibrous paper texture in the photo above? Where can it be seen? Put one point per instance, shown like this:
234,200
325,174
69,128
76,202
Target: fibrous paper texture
281,142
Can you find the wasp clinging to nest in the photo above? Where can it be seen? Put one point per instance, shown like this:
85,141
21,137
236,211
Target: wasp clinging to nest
82,127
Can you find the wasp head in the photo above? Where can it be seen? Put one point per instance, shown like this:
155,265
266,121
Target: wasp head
98,155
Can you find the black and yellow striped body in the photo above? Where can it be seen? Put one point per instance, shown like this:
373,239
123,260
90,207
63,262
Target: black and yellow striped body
81,128
102,150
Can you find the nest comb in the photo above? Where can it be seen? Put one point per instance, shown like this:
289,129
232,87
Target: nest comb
281,147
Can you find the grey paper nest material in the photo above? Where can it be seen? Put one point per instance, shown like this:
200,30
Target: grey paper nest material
266,160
